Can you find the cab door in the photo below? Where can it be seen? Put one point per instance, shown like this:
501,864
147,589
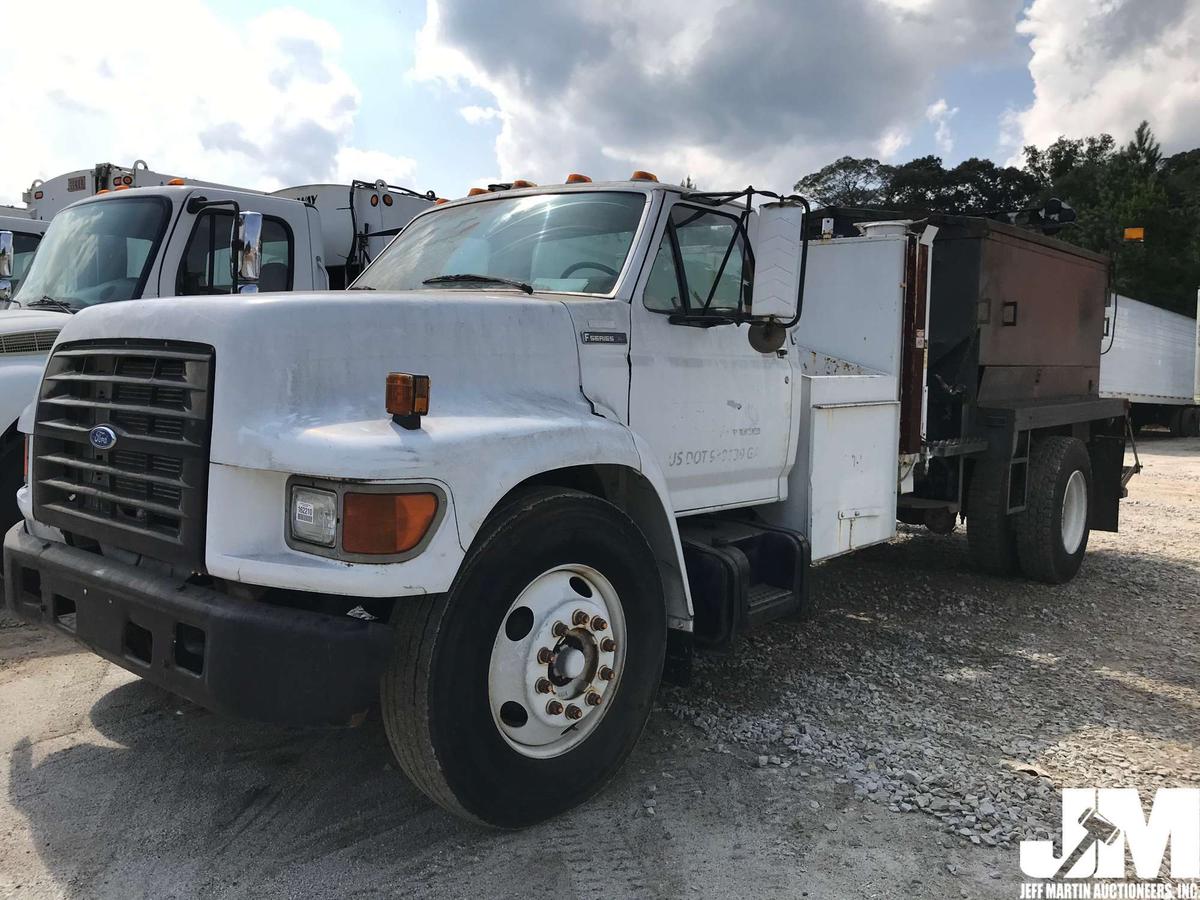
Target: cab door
715,411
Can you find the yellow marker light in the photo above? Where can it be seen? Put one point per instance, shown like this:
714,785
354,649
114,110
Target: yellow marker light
522,183
1135,234
475,192
576,178
407,398
641,175
176,181
439,201
385,524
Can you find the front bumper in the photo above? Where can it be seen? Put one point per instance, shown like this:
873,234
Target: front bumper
237,657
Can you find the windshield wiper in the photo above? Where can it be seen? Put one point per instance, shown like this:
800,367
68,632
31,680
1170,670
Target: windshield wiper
47,300
483,279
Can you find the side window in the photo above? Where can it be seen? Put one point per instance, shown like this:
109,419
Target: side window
206,270
711,251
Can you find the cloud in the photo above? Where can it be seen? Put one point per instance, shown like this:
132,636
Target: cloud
727,91
477,114
939,113
1104,67
261,103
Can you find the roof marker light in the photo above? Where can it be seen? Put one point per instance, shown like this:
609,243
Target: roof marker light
576,178
176,181
475,192
522,183
641,175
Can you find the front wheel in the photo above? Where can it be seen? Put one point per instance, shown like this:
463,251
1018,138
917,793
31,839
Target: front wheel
1052,532
520,693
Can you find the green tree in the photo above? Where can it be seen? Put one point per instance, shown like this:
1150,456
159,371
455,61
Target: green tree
850,182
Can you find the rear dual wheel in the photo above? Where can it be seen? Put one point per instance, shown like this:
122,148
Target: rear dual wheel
1046,541
520,693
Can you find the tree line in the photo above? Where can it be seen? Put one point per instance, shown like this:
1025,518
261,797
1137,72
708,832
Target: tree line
1111,187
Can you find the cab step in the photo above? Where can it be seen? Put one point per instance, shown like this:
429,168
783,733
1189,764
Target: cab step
742,574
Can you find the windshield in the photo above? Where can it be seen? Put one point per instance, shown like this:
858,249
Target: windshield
572,242
97,252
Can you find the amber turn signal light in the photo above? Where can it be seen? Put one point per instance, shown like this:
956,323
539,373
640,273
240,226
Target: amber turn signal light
385,524
407,398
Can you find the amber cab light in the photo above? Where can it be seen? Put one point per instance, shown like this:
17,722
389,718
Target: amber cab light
385,524
176,181
407,398
476,191
576,178
640,175
522,183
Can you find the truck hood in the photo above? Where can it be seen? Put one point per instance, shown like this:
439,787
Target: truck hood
297,375
17,320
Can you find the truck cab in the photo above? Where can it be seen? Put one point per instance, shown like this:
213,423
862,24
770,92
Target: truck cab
165,240
551,439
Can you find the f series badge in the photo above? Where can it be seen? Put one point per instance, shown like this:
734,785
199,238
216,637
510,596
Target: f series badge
604,337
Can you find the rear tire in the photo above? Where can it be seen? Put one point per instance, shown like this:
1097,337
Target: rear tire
1190,422
454,713
1175,422
1052,532
990,537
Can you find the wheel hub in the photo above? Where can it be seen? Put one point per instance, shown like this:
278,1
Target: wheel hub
556,661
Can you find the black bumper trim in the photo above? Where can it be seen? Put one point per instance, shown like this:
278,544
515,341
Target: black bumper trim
237,657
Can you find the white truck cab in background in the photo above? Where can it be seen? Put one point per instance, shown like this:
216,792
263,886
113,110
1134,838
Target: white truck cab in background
550,438
166,240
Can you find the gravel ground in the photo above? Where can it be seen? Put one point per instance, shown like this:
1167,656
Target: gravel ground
900,744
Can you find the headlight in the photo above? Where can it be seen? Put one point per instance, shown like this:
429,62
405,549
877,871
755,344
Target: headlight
314,516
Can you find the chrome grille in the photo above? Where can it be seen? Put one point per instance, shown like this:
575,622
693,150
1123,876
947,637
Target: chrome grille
27,342
146,493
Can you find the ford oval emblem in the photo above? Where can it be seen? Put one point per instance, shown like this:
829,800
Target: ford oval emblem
102,437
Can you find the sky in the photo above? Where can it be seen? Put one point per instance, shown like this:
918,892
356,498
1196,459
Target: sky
449,94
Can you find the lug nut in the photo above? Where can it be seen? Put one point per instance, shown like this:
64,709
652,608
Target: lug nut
580,617
545,655
554,708
608,645
543,686
574,712
598,624
606,674
559,629
593,699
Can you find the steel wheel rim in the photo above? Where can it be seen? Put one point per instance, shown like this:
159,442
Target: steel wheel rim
1074,512
556,661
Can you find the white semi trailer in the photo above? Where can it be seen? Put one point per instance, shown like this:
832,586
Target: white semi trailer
1151,356
552,438
168,240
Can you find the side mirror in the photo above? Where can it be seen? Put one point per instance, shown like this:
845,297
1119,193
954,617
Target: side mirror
246,259
776,239
6,266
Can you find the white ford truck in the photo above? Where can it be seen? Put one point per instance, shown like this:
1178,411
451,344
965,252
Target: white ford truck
163,240
552,438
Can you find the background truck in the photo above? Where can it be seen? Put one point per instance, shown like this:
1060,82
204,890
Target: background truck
1149,356
553,438
174,240
26,235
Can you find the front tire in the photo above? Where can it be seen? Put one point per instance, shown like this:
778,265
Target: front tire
520,693
1052,532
